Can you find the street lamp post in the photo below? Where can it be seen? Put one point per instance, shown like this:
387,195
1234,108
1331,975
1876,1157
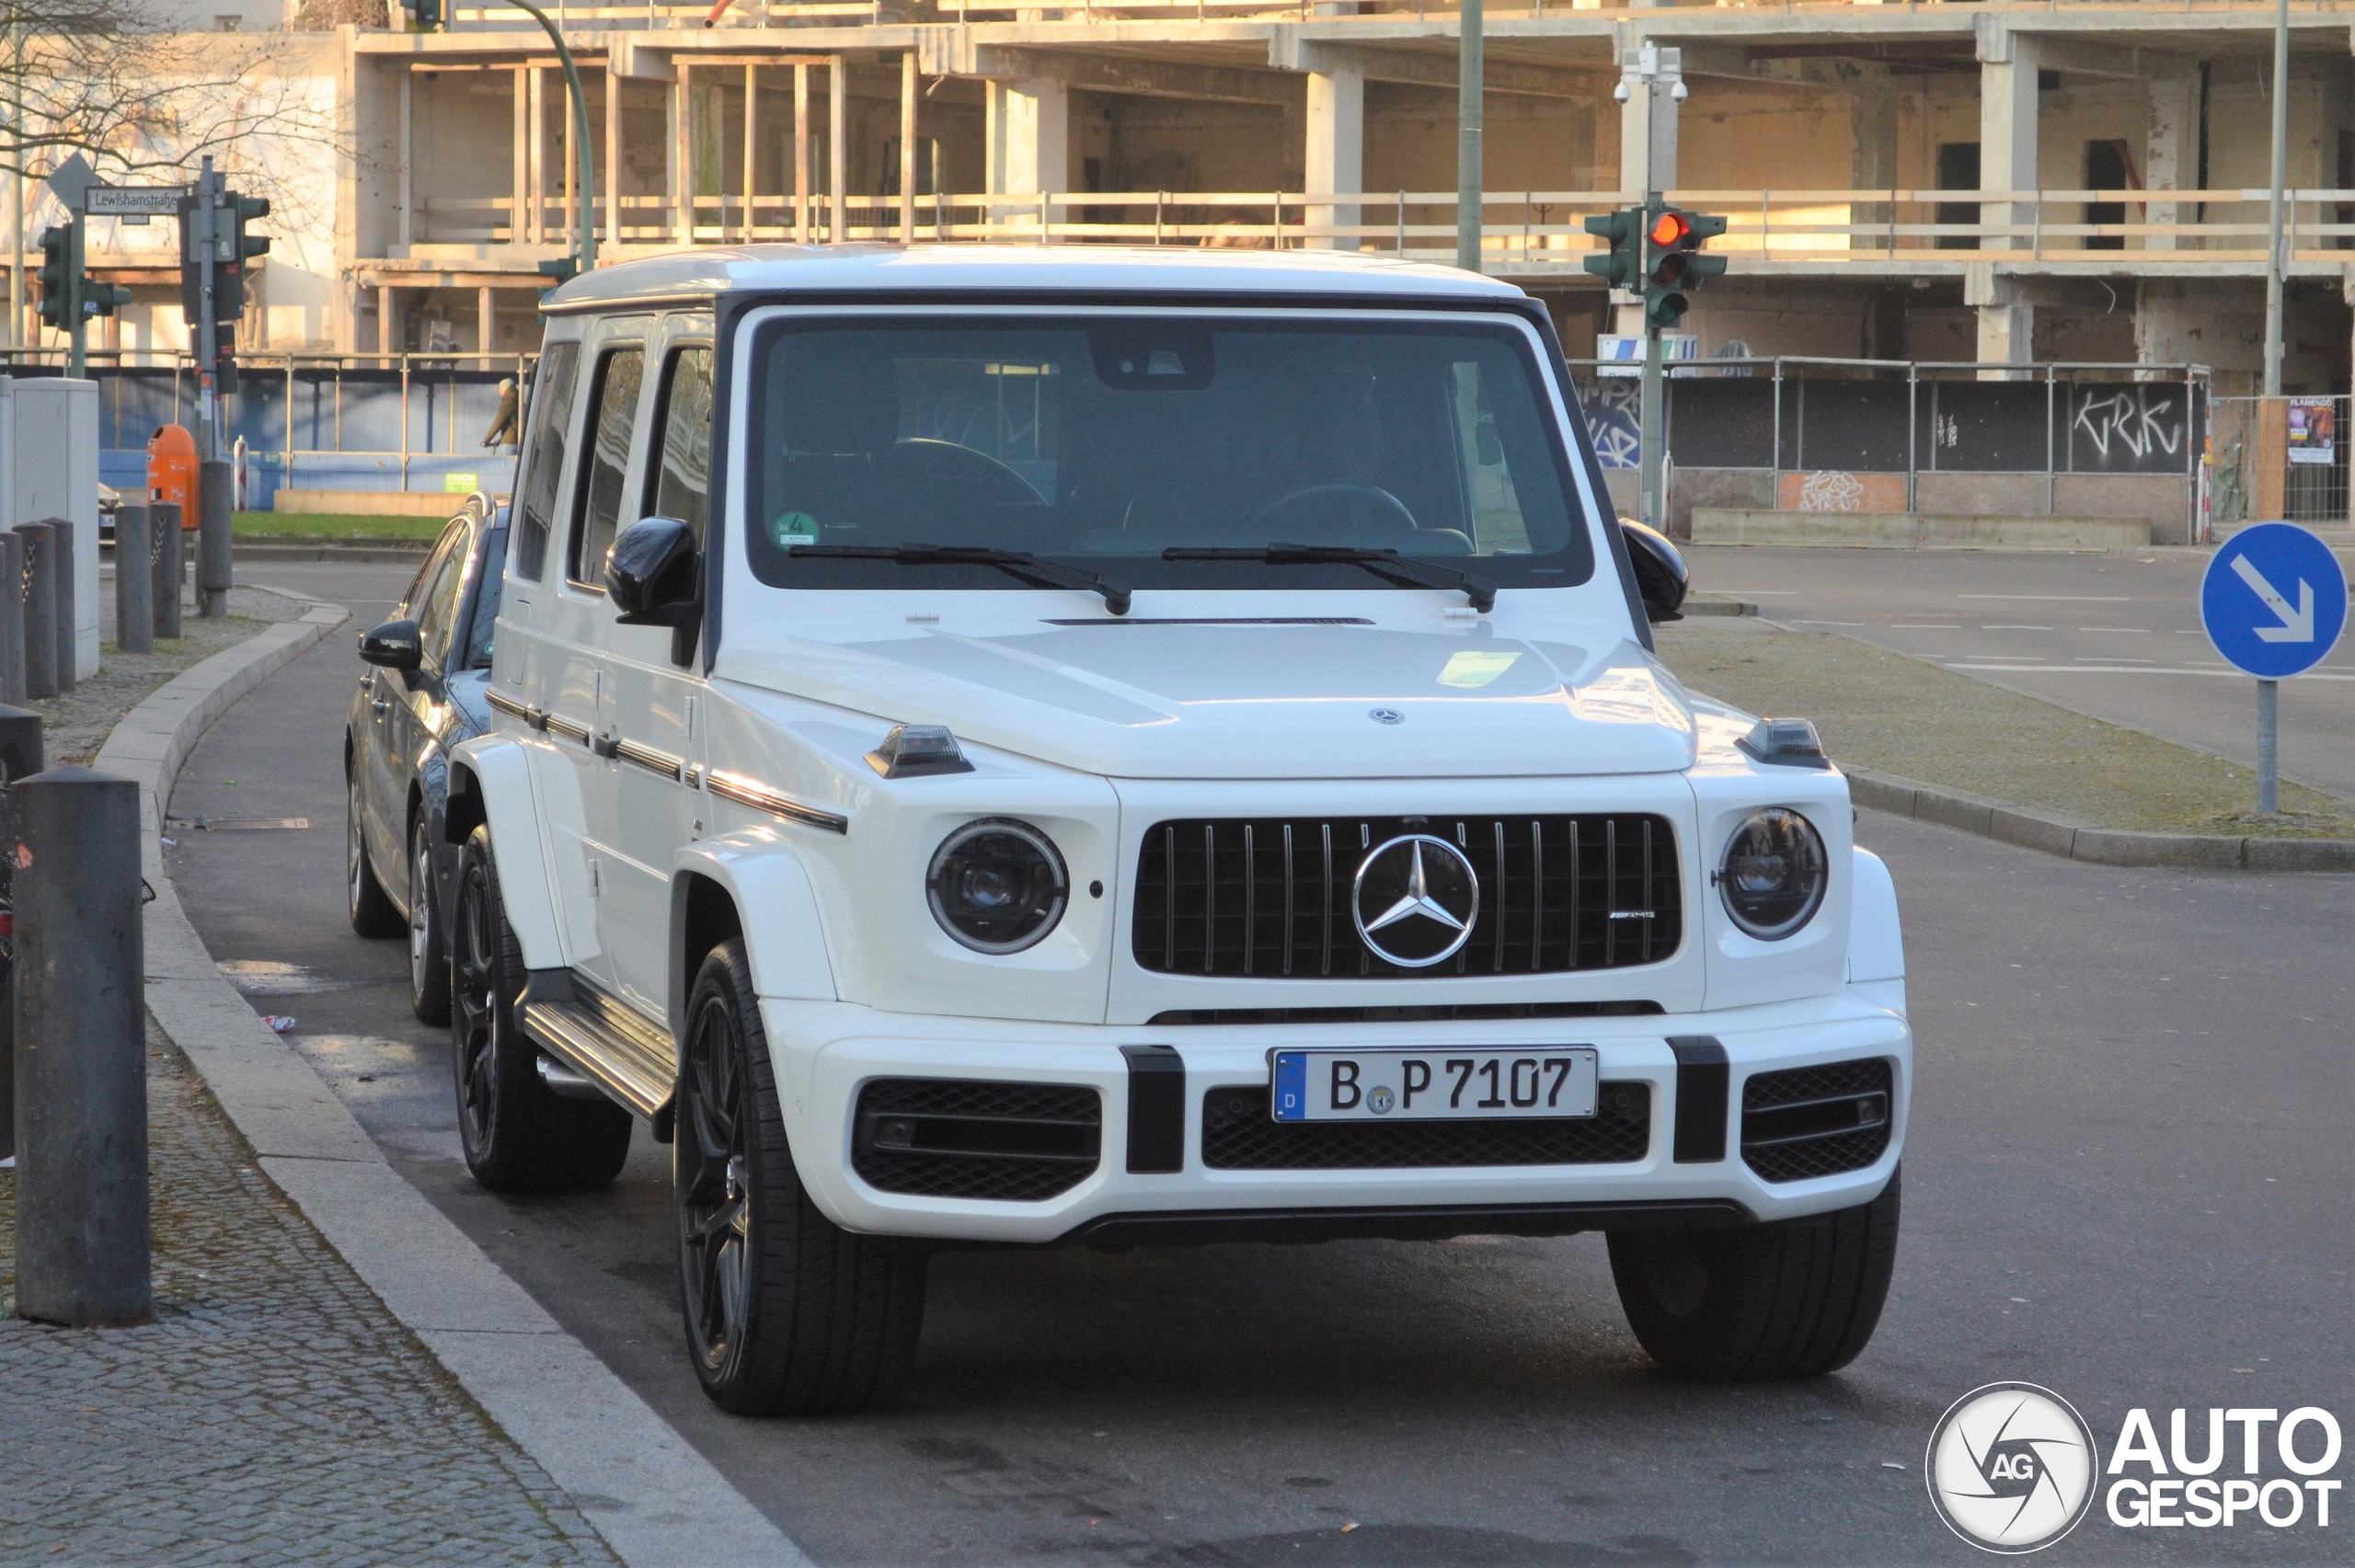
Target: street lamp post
584,189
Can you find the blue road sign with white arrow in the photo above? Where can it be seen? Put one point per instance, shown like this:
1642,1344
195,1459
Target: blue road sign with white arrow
2274,600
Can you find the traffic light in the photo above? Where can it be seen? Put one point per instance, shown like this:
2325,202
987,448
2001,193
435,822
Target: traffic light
56,276
1673,238
102,299
246,209
1623,263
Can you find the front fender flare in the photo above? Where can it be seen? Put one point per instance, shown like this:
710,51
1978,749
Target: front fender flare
776,913
490,782
1875,940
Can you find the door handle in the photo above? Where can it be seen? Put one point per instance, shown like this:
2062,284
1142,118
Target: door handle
380,703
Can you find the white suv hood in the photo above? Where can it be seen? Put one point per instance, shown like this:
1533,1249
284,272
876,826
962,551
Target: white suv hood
1238,700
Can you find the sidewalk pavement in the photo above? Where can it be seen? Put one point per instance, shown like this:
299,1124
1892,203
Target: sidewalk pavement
274,1412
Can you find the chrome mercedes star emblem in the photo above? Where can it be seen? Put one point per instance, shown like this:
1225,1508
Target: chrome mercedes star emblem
1385,715
1429,897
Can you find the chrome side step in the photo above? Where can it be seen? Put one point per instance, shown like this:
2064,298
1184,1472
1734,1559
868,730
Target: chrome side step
597,1036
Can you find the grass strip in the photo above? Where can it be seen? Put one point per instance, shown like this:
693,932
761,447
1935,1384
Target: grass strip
1886,713
299,526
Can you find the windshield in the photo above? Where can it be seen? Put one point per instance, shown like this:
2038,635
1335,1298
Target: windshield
1108,439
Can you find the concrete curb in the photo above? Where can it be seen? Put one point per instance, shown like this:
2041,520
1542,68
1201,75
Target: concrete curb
654,1499
2101,846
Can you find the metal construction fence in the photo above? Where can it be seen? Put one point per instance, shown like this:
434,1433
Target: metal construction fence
312,422
2292,467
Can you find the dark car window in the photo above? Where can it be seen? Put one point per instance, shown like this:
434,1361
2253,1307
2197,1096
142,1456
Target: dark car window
437,607
544,459
485,620
413,596
683,462
614,413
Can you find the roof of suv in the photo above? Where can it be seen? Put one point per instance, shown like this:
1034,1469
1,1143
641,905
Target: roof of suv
1064,270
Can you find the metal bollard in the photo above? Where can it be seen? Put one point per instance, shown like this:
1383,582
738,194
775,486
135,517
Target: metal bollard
41,609
12,619
65,614
82,1215
20,759
170,545
135,581
216,486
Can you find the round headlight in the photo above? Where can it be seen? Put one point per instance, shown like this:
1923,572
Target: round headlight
997,886
1774,872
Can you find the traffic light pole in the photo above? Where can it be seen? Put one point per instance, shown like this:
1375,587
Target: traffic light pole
1652,448
75,321
208,343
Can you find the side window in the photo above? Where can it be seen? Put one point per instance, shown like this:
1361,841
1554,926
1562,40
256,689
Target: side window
543,458
619,375
413,598
682,479
436,608
480,630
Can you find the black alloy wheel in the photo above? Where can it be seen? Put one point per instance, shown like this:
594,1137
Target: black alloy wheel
429,944
787,1312
517,1136
371,907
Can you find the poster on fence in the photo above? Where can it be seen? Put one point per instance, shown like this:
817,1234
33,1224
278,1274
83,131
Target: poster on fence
2313,433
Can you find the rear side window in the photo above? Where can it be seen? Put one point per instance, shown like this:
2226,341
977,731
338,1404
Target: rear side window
435,613
682,471
544,459
480,630
619,377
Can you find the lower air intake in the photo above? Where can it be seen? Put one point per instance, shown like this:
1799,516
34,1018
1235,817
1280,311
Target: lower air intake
958,1137
1817,1121
1240,1133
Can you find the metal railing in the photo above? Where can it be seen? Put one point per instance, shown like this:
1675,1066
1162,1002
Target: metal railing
753,14
1533,230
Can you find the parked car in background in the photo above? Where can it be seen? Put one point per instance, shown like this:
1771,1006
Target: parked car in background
421,693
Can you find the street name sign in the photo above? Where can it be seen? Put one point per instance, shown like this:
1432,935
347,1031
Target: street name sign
132,200
2274,600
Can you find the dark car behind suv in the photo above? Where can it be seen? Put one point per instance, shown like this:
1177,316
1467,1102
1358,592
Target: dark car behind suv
422,693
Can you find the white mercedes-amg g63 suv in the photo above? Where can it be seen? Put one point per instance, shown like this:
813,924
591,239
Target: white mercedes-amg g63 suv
1081,746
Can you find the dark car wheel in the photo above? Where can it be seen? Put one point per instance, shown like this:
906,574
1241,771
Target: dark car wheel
372,910
429,944
787,1312
517,1136
1794,1298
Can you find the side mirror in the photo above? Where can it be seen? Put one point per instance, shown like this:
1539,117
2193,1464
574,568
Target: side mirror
393,646
1661,576
651,574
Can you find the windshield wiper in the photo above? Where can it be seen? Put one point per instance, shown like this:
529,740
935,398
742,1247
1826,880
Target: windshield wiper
1019,563
1385,563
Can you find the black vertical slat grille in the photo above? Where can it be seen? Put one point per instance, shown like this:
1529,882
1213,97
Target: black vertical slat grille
1271,897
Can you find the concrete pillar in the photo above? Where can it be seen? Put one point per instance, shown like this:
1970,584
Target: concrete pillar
486,321
837,151
676,172
1336,162
908,148
20,759
2007,130
384,318
611,177
801,155
2006,322
134,585
2172,132
170,565
12,619
1029,140
536,157
519,178
751,142
1872,151
39,579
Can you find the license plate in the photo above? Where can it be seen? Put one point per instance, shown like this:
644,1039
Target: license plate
1426,1085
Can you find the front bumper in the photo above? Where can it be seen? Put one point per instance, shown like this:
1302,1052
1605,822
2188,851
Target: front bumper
825,1052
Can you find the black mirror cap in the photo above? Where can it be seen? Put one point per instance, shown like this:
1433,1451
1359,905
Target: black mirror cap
651,574
1661,576
393,646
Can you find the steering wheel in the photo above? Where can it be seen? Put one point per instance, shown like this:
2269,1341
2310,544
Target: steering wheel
1376,493
953,461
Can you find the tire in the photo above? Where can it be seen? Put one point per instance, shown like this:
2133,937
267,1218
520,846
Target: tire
372,908
517,1136
786,1314
428,938
1794,1298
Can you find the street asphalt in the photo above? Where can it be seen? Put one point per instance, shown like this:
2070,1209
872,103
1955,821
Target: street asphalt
2127,1180
2116,635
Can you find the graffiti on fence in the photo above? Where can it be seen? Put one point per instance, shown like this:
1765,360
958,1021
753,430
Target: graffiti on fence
1615,421
2132,428
1831,490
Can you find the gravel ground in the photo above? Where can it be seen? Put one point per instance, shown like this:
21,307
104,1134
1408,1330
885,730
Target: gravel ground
76,724
1886,713
274,1412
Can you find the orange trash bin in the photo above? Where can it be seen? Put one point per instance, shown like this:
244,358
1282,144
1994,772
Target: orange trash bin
171,472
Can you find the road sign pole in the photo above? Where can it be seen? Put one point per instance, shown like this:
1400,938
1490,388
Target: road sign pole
2268,733
76,329
207,345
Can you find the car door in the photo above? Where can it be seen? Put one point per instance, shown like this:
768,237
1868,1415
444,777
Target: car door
387,756
583,697
415,721
657,697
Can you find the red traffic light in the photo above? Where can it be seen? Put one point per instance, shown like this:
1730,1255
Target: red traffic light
1669,227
